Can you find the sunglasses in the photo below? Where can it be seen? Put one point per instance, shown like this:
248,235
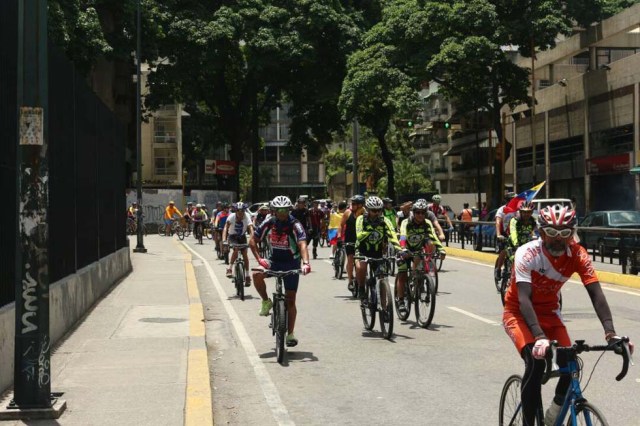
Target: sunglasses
282,210
553,232
375,210
419,212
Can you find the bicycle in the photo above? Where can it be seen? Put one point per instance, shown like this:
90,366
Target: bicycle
505,277
264,248
198,226
339,259
279,315
239,277
420,290
174,228
377,284
391,254
580,411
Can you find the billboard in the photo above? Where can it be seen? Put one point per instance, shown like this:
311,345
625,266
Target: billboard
220,167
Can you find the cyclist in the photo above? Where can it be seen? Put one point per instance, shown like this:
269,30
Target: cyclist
389,212
531,310
439,211
132,211
199,217
403,214
301,213
433,219
521,227
188,211
416,233
347,233
502,231
372,232
170,212
235,228
289,244
316,219
221,219
335,219
261,215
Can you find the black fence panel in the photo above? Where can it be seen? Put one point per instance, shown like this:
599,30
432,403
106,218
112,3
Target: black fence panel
8,142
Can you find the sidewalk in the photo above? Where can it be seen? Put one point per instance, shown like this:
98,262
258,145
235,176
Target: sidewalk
139,356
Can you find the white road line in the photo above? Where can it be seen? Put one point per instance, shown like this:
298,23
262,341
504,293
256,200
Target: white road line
474,316
269,390
605,286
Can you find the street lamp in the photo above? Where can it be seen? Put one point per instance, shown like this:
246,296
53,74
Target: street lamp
140,244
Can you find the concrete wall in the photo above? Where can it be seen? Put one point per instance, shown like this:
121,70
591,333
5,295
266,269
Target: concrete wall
69,299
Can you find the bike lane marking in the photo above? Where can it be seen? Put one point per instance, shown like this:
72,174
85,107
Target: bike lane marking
269,390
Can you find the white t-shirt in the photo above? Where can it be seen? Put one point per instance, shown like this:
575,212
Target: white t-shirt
237,227
506,218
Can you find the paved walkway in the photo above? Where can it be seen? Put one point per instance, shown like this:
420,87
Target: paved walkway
138,357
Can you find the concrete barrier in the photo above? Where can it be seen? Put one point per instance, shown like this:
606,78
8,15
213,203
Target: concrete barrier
69,299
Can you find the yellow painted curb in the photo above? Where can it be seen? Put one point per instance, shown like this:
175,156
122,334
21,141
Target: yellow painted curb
196,320
198,405
631,281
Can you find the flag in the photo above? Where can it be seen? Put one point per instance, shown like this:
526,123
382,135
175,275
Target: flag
333,236
525,196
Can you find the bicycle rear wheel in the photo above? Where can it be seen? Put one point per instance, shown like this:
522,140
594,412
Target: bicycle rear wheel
343,256
407,301
440,261
510,411
281,329
208,233
161,229
425,302
368,307
337,260
386,311
588,414
180,232
239,280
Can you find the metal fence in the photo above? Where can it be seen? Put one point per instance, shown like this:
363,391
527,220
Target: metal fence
86,162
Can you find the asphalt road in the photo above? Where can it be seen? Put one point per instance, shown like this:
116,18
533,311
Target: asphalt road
449,374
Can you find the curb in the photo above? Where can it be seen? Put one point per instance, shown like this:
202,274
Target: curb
623,280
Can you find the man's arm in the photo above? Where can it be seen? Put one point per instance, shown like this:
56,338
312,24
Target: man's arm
513,232
392,236
601,306
343,223
526,309
225,230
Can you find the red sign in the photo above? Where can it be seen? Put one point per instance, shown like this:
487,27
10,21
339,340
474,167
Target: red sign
225,167
611,164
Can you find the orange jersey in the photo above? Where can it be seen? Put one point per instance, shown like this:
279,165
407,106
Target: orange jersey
547,274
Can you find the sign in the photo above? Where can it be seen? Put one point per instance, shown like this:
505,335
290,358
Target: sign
31,126
611,164
219,167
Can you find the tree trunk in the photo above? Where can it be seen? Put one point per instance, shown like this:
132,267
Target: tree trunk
387,157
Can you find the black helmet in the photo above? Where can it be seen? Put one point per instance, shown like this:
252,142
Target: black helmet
358,199
387,200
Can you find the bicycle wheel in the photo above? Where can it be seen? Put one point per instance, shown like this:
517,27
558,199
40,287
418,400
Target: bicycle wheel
504,286
200,234
239,279
440,261
161,229
588,414
208,233
343,256
433,272
180,232
497,280
226,255
407,304
368,307
386,311
322,239
510,411
425,303
337,259
281,329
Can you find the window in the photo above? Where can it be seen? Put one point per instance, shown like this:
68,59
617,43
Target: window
165,162
271,153
597,220
164,131
313,172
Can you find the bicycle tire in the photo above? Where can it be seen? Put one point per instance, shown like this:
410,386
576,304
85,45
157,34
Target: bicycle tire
208,233
161,229
407,301
343,256
497,281
440,261
433,269
239,280
425,303
180,232
281,330
321,242
510,409
386,313
226,256
585,411
368,308
504,286
336,264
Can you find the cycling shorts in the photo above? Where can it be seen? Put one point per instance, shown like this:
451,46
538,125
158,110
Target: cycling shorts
350,250
168,221
518,331
237,239
291,281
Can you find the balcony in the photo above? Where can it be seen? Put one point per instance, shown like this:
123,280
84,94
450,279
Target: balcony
164,137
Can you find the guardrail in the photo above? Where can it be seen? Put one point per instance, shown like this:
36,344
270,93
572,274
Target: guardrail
603,244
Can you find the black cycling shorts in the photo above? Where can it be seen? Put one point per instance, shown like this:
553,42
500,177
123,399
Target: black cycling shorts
238,239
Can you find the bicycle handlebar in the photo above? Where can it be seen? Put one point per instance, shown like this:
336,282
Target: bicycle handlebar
281,274
620,347
374,259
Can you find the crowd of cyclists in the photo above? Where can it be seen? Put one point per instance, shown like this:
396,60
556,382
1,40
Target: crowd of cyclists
544,253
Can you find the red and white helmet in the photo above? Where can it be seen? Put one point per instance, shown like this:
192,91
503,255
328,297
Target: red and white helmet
557,215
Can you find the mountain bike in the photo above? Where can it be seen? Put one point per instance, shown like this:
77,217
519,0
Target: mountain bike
391,264
175,228
239,277
339,259
377,284
579,410
506,274
419,290
279,316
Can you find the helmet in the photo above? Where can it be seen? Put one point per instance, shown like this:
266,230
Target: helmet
374,203
190,203
436,198
419,205
240,205
387,200
135,203
528,207
358,199
198,206
557,215
301,200
281,201
171,202
421,200
342,205
264,206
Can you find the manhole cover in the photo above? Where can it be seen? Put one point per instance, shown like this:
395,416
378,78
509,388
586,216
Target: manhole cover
162,320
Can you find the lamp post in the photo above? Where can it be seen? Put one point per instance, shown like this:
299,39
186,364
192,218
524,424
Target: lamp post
184,178
140,244
355,185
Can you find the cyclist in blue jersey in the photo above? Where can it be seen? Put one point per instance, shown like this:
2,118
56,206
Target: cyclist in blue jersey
288,242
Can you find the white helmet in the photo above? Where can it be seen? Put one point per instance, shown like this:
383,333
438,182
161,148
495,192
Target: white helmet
198,206
374,203
281,201
436,198
419,205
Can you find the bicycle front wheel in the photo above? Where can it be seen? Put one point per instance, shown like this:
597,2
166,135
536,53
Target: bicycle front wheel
510,411
433,270
368,307
386,311
439,262
425,303
504,286
239,280
588,415
337,260
180,232
402,316
161,229
281,329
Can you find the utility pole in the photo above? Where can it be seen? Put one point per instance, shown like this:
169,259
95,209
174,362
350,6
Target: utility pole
140,243
355,137
478,161
534,174
32,367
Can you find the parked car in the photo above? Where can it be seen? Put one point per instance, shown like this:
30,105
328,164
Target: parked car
607,242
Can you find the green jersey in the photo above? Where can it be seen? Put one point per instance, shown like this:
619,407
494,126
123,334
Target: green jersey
371,235
415,236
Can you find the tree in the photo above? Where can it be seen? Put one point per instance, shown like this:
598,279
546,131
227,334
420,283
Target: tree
411,178
245,182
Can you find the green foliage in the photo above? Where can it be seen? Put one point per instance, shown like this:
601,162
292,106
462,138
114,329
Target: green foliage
335,162
245,182
410,178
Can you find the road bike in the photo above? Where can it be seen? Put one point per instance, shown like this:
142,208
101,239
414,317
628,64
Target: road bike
377,284
279,315
239,276
419,290
579,410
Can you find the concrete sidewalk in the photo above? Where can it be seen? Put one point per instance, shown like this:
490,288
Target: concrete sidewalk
139,356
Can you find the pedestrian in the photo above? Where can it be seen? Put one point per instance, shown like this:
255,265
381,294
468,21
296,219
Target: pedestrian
466,216
484,211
